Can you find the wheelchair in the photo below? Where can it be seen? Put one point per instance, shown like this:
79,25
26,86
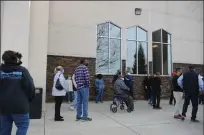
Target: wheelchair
118,102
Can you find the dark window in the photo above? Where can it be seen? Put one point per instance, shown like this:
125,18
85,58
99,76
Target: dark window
161,52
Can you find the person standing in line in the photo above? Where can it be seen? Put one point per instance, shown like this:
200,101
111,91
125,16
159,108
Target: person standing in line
59,93
156,91
129,83
172,98
70,89
178,94
82,78
99,85
74,102
17,90
190,82
147,86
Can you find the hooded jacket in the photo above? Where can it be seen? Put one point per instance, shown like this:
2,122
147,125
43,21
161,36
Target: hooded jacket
17,89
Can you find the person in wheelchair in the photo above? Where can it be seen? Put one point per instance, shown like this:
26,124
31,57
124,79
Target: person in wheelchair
123,92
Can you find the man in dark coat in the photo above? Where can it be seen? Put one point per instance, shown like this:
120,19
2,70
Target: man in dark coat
190,82
156,91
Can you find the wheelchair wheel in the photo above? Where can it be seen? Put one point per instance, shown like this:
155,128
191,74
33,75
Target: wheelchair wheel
128,110
122,107
114,109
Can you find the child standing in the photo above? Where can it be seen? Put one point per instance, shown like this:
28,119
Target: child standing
99,85
70,89
74,102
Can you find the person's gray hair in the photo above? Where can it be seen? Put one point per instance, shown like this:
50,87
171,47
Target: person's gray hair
58,68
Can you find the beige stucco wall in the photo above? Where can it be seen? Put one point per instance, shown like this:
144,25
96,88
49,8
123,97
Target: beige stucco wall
72,25
15,30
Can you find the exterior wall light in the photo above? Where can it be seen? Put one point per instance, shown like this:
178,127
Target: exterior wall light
138,11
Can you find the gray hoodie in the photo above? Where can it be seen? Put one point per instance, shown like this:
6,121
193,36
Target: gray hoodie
120,86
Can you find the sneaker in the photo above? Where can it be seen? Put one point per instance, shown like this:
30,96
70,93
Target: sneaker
86,119
78,119
195,120
96,102
101,101
61,117
184,115
158,107
178,116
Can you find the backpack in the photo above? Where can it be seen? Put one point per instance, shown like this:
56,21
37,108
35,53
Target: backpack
58,85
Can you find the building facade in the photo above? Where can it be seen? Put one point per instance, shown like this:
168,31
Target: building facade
166,35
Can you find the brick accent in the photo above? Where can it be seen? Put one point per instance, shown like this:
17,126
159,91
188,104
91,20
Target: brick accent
70,63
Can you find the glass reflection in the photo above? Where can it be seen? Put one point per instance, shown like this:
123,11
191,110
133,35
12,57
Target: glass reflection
131,57
115,31
156,36
166,37
142,57
167,59
102,59
102,29
115,55
156,53
131,33
141,34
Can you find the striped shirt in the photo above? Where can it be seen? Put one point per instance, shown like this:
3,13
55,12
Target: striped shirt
82,77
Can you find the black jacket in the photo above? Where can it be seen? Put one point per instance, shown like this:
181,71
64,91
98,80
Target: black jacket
156,84
16,89
147,82
190,83
175,85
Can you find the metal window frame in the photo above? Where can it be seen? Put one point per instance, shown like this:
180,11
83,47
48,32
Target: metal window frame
136,26
162,55
109,38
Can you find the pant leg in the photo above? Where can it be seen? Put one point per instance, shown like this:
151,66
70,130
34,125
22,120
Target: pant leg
154,97
74,103
79,104
101,95
6,123
57,107
171,98
186,103
194,100
22,123
60,104
158,96
130,103
178,97
98,95
85,100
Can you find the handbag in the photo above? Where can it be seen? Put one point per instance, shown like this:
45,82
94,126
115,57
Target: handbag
58,85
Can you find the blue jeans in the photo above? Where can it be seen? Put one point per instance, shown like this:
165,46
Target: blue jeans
99,95
74,102
21,121
82,102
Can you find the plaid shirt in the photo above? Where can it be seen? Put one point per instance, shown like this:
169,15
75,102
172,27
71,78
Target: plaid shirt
82,77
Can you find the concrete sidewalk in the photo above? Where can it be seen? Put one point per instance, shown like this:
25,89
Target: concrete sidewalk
143,121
